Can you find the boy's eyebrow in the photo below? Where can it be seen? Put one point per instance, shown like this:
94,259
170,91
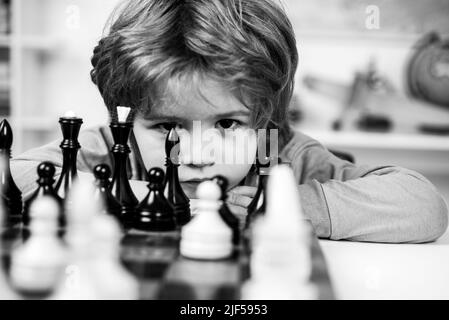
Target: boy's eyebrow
233,113
177,119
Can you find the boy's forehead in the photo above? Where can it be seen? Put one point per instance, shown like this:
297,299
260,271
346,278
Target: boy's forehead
207,99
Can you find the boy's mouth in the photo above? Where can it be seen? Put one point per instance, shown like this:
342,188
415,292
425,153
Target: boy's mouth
189,186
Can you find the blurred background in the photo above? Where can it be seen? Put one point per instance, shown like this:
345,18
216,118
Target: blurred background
373,77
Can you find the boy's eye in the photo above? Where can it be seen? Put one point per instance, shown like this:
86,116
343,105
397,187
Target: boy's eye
165,126
228,124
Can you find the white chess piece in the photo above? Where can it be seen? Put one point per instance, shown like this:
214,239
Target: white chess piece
37,265
81,211
112,280
207,236
280,263
78,282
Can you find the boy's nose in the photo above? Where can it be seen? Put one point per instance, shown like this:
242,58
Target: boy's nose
193,154
197,160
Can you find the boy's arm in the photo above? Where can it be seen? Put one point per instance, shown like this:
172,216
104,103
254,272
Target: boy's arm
362,203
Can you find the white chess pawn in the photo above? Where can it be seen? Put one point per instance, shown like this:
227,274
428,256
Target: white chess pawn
112,280
37,265
281,263
207,236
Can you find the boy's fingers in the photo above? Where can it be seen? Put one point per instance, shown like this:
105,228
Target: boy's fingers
245,191
238,199
238,211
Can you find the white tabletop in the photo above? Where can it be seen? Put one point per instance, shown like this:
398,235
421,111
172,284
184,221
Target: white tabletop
388,271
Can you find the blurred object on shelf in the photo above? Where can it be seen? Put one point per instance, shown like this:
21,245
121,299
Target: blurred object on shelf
295,113
377,123
428,70
332,89
434,129
371,103
5,14
366,83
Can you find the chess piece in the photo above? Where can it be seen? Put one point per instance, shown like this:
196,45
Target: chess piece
46,173
6,293
70,127
280,263
231,220
154,212
82,211
207,236
111,279
11,195
173,190
257,206
120,186
102,173
37,265
79,282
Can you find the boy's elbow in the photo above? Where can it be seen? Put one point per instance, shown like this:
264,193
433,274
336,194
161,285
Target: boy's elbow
437,217
433,218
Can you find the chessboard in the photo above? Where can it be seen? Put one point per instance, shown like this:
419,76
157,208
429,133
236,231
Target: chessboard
154,259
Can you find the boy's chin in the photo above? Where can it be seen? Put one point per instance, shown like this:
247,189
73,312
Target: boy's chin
190,189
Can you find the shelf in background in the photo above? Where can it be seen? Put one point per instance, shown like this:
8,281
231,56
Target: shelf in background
29,42
391,141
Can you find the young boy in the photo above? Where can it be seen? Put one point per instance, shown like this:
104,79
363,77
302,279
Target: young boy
230,65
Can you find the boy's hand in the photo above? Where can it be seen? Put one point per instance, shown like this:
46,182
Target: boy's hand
238,200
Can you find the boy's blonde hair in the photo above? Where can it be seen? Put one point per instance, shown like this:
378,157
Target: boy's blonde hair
247,45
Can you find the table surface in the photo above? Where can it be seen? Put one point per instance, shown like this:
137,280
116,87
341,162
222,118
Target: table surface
341,269
388,271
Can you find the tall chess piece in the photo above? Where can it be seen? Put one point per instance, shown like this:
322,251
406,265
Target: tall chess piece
258,205
46,173
11,195
102,173
155,213
173,190
231,220
120,186
70,127
281,257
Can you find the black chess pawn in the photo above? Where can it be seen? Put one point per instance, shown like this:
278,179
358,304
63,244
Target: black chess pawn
46,173
231,220
172,187
11,194
155,213
102,173
120,187
70,127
